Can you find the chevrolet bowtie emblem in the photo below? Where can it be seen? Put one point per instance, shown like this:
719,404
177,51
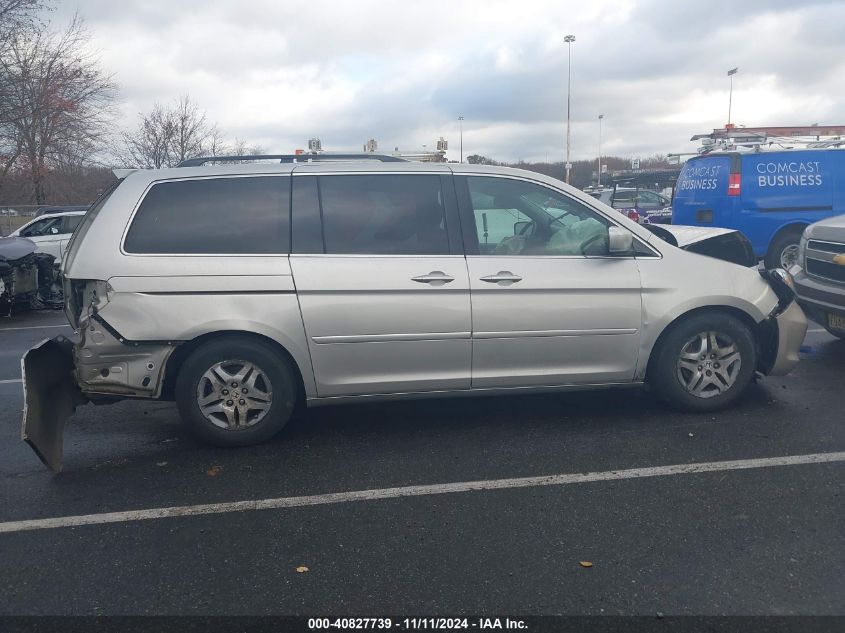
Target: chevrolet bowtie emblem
839,259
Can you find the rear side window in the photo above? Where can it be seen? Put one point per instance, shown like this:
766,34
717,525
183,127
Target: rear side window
226,216
384,214
71,222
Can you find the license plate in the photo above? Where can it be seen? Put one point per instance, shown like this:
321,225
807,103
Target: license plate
836,322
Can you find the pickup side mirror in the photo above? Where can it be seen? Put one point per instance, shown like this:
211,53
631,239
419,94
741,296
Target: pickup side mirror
620,241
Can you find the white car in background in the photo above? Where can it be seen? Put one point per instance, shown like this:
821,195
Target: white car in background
51,232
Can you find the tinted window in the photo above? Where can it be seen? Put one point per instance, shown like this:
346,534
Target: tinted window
306,231
384,214
71,222
247,215
521,218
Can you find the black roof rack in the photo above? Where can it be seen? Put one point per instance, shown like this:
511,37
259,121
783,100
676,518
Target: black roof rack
648,176
290,158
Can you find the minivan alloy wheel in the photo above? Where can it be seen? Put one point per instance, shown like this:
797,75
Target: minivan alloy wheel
234,394
709,364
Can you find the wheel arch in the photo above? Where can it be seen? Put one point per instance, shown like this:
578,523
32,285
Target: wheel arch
792,227
185,349
757,329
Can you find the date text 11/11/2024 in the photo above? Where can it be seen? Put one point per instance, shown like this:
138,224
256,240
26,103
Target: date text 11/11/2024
415,624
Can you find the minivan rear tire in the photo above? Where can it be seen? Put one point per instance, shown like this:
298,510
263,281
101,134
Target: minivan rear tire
265,371
668,370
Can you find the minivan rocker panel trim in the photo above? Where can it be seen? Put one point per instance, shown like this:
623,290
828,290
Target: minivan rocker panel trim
388,325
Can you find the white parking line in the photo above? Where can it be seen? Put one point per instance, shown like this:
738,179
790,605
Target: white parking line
30,327
10,381
816,329
415,491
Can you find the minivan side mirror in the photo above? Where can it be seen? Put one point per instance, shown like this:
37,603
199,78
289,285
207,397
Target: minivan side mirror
620,241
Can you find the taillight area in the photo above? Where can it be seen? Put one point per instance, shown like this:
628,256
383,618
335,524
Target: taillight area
734,184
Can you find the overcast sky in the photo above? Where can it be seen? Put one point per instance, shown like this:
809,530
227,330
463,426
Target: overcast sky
276,72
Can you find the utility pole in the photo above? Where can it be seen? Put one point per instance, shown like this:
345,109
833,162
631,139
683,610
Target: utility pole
601,116
568,39
731,74
461,124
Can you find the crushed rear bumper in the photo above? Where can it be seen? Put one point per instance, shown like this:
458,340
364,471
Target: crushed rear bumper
50,397
102,367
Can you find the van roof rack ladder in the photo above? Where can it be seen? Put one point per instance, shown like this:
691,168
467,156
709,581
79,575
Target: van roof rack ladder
289,158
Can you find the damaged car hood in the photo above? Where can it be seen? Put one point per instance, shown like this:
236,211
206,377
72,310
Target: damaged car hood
726,244
13,248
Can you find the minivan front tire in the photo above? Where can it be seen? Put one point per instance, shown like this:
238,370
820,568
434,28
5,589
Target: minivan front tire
704,363
235,391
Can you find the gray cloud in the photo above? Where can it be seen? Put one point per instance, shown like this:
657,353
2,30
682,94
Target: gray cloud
278,72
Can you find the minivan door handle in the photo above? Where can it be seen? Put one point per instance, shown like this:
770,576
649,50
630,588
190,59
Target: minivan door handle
505,277
434,278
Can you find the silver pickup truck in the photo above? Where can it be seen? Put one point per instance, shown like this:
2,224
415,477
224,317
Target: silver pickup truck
820,274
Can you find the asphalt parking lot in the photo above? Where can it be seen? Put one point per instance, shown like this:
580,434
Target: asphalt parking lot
749,537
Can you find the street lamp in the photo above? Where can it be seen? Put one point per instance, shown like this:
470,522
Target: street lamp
568,39
731,74
461,124
601,116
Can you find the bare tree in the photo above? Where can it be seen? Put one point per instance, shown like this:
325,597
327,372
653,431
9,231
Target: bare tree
167,136
149,146
17,16
191,130
55,99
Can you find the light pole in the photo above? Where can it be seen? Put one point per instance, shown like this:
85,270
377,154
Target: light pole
601,116
461,124
568,39
731,74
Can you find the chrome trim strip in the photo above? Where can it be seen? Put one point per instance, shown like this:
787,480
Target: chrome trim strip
390,338
472,392
551,333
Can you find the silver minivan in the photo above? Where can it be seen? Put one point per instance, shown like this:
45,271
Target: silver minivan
243,290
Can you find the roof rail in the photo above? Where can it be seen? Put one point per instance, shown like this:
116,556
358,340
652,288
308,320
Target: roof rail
289,158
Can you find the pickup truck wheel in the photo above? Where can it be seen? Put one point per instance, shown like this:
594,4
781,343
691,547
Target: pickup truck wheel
783,251
235,392
704,363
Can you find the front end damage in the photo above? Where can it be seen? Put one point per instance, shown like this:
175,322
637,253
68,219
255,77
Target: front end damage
782,333
28,278
100,367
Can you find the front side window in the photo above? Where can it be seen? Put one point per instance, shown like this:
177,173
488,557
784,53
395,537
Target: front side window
514,217
383,214
244,215
651,200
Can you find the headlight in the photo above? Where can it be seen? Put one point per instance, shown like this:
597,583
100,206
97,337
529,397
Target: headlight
782,283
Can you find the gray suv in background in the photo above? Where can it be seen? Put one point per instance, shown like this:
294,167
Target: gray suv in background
243,290
820,273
